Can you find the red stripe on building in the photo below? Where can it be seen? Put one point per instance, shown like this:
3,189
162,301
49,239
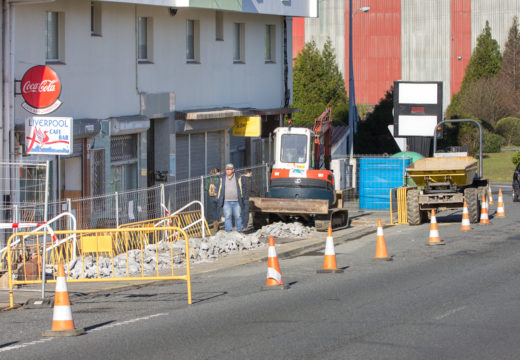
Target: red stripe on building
460,35
298,35
376,48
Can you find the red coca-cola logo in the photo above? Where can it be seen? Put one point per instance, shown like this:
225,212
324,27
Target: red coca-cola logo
40,86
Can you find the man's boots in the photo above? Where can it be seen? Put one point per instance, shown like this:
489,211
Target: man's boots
215,226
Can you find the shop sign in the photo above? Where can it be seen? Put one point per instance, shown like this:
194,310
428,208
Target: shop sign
249,126
41,89
48,135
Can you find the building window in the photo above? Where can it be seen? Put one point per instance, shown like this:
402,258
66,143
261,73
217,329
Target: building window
219,26
123,158
270,43
144,39
239,44
95,18
192,41
55,37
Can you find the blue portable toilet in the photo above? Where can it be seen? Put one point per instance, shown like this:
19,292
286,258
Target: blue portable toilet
377,176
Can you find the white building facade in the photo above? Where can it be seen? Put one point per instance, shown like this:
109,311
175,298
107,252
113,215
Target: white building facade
153,87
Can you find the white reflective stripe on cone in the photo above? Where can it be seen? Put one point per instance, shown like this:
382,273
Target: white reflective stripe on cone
329,246
62,313
379,231
61,285
273,274
271,252
434,233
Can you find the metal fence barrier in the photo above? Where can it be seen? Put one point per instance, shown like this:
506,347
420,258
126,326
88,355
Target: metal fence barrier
103,255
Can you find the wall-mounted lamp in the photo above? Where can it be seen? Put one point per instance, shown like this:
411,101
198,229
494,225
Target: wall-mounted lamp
459,57
173,11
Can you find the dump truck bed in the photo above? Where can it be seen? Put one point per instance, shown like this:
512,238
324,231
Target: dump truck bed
459,170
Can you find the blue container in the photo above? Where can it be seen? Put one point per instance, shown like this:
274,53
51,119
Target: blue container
376,177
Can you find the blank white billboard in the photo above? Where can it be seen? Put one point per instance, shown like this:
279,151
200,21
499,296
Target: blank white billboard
410,93
413,125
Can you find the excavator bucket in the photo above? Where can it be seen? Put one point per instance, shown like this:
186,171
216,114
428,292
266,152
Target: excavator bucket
289,206
306,208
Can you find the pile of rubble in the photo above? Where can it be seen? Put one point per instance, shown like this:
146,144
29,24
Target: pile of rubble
294,230
158,256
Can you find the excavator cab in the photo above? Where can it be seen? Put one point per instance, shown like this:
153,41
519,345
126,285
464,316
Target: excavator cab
292,148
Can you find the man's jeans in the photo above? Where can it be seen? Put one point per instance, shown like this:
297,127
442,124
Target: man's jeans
232,209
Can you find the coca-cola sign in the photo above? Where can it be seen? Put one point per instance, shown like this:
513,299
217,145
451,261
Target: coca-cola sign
41,89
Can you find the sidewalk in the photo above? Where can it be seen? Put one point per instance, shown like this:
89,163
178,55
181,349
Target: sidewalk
362,224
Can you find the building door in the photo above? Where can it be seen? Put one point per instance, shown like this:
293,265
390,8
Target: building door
215,144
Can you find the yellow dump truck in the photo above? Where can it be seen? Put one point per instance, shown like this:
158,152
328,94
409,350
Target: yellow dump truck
444,183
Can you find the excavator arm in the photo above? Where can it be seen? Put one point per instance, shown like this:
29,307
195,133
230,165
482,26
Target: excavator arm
322,138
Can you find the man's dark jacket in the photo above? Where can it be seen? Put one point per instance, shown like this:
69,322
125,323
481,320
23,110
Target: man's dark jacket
241,189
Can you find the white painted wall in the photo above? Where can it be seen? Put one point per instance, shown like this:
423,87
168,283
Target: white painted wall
99,74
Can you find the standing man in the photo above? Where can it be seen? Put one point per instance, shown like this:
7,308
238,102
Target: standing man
231,197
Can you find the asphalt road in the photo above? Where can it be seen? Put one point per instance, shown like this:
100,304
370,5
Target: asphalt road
457,301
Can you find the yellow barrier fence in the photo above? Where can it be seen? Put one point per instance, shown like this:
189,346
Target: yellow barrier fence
104,255
398,205
190,221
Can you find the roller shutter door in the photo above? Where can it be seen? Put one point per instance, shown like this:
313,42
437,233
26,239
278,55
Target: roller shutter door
198,155
182,158
214,150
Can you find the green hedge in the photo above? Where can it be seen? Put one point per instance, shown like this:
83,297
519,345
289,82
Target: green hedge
509,128
492,143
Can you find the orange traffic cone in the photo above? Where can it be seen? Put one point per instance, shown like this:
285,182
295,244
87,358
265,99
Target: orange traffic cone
500,206
274,275
329,261
484,218
62,323
434,232
490,195
381,253
465,218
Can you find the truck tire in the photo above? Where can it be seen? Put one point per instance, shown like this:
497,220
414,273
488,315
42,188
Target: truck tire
471,197
412,205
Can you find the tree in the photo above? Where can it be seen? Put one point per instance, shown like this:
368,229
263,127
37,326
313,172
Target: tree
510,71
486,59
317,83
486,99
373,136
